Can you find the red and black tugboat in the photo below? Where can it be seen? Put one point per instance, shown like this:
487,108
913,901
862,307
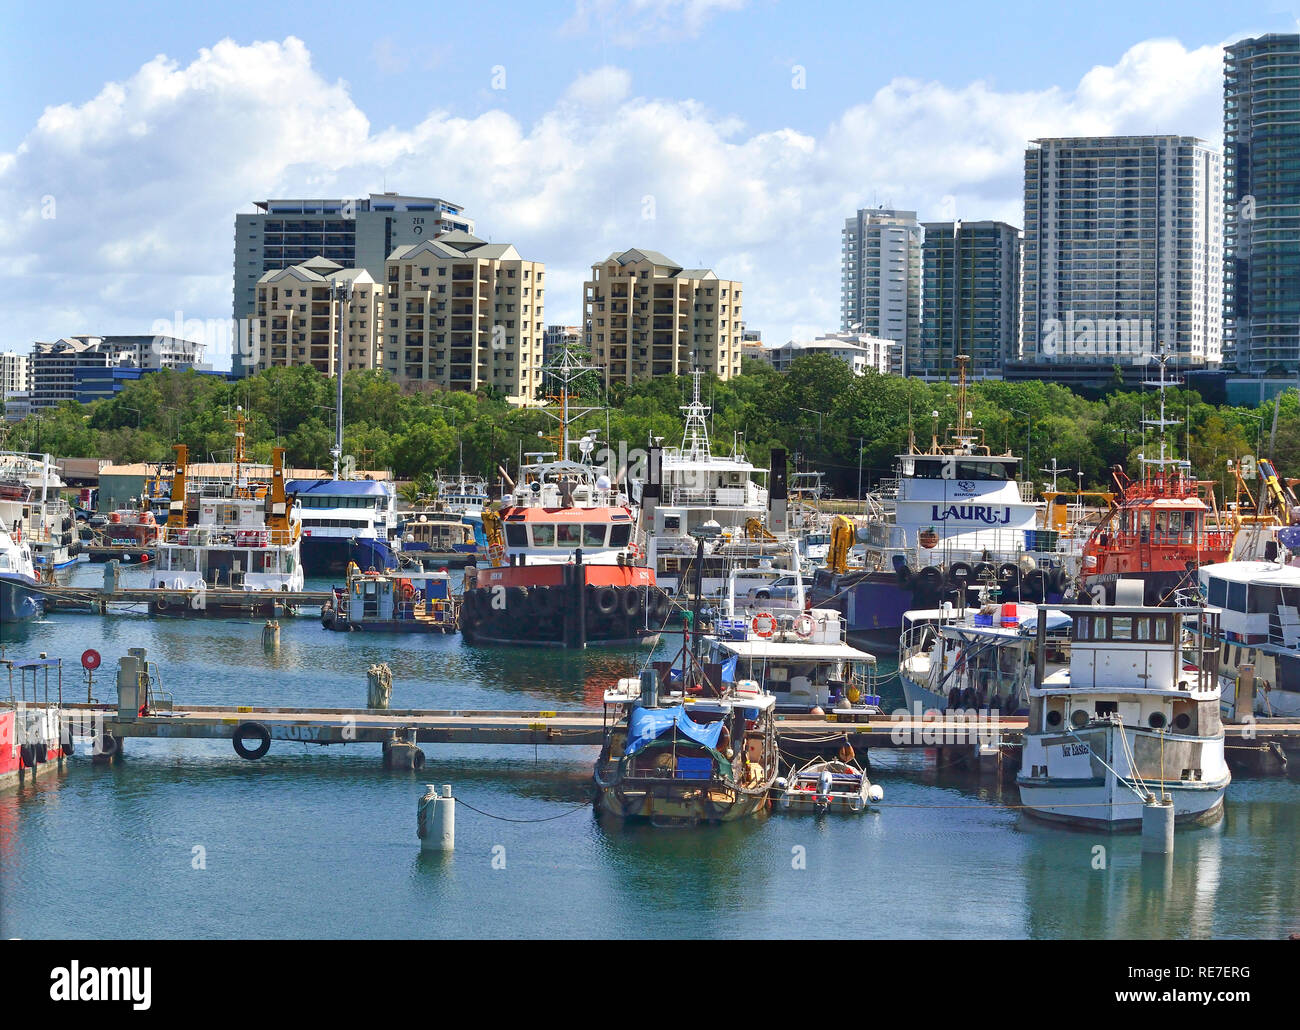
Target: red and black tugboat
1163,527
567,564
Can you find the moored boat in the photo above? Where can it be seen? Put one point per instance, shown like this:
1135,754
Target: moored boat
1132,719
392,602
828,785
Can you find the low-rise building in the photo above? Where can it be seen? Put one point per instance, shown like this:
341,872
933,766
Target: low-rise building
859,351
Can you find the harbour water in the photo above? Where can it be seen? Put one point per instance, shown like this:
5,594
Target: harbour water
184,839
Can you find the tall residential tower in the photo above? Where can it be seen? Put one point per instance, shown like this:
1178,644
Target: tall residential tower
880,281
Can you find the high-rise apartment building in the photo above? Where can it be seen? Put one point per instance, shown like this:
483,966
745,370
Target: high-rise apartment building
358,233
464,314
1122,254
1261,190
880,280
558,336
645,315
971,298
305,312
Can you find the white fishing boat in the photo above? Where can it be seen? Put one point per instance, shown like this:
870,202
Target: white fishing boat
1133,718
1258,629
20,598
975,659
34,510
828,785
243,535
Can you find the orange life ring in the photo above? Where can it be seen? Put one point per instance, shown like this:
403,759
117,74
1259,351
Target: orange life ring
763,625
408,591
803,626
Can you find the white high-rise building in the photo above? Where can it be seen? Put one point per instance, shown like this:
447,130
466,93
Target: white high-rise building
15,384
1122,254
880,281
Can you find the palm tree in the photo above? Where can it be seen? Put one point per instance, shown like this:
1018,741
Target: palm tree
410,493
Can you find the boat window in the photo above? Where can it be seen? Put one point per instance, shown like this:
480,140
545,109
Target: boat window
1218,592
1237,597
593,535
516,534
1121,627
1083,627
1161,626
544,536
1142,628
568,535
1264,599
620,535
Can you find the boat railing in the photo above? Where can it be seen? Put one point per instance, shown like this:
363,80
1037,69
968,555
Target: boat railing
228,536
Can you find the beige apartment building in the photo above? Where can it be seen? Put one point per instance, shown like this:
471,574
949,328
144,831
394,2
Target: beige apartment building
464,314
300,309
645,315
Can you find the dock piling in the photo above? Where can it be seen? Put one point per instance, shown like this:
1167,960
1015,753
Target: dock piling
1158,826
435,821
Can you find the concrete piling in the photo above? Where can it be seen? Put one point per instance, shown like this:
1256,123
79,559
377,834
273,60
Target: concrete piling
402,753
1158,826
435,822
271,635
379,686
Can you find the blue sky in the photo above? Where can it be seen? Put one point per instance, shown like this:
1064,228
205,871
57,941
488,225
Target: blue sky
149,136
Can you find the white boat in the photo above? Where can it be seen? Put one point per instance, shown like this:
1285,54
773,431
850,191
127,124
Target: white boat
799,656
34,509
688,486
19,598
1258,631
244,535
828,785
344,521
982,659
1133,717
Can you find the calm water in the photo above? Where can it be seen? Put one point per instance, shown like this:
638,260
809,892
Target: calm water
320,842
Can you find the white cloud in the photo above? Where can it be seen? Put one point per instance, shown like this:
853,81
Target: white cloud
147,176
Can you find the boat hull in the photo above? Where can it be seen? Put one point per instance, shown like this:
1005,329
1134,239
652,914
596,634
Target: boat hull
1107,804
18,601
674,803
324,555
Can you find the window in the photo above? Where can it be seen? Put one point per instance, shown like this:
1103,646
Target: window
568,535
516,534
620,535
543,536
593,535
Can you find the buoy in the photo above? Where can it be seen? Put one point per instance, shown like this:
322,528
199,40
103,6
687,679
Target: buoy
1158,826
435,819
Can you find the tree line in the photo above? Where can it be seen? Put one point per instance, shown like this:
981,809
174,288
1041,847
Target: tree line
828,419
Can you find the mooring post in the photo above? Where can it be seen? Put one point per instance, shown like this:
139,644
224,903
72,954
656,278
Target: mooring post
1158,826
435,819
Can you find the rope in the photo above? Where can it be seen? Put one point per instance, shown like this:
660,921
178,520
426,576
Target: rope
507,819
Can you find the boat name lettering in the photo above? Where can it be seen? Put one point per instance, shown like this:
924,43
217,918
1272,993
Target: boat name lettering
990,515
1070,750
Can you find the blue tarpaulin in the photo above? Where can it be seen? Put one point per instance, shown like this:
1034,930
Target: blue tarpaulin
649,724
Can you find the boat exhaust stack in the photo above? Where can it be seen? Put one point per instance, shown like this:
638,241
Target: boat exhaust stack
778,520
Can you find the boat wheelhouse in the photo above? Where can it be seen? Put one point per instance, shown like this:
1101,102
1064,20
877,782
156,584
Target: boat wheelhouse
20,597
1258,605
438,536
345,520
1163,526
955,519
392,602
1132,718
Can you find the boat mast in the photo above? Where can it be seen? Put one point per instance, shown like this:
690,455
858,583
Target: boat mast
1161,423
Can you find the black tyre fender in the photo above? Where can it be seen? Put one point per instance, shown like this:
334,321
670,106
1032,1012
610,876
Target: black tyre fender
251,729
631,602
959,574
1035,584
606,600
517,598
1009,575
930,576
1058,580
106,745
904,576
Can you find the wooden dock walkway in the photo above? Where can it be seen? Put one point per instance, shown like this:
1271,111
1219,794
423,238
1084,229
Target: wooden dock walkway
169,600
797,733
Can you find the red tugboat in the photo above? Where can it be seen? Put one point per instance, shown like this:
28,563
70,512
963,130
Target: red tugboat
567,555
1163,527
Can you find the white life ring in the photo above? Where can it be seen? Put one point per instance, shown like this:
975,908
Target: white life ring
803,626
763,625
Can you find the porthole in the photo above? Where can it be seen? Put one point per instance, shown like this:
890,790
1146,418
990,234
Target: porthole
1156,720
1053,718
1079,718
1181,722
